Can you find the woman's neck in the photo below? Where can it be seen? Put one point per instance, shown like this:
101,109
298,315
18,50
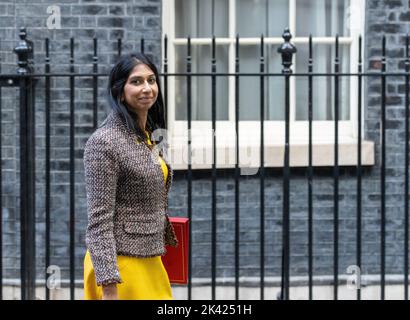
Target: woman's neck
140,119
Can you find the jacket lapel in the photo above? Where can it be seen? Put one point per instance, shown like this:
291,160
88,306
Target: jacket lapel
115,119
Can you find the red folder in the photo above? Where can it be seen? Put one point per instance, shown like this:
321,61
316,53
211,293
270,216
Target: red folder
176,259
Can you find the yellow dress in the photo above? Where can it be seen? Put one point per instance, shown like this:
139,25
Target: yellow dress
143,278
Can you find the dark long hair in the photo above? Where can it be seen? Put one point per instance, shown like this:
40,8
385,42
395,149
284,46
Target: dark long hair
116,82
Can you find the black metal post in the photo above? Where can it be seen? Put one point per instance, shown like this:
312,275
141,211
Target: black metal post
287,50
310,172
383,172
213,79
237,222
359,166
166,90
95,85
406,185
142,44
1,200
119,47
336,178
72,175
189,115
24,51
47,156
262,172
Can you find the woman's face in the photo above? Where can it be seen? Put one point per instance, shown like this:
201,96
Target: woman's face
141,89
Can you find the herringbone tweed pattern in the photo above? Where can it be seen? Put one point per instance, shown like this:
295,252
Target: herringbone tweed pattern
127,200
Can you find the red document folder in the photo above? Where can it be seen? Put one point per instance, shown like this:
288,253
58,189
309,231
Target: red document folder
176,259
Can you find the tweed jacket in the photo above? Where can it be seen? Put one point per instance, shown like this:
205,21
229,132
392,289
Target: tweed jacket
127,199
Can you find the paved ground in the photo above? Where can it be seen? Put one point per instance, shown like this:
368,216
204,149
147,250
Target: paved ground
371,292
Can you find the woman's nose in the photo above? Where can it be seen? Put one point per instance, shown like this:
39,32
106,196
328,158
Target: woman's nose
146,87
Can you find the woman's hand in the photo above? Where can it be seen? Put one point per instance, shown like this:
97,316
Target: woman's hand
110,292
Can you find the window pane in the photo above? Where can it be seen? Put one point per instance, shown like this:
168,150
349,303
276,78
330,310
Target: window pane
201,18
202,85
249,86
256,17
276,85
323,87
322,18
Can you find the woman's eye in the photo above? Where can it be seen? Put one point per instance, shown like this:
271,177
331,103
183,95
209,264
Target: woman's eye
139,82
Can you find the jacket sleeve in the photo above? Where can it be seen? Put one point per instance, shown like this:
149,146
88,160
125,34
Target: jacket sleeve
101,175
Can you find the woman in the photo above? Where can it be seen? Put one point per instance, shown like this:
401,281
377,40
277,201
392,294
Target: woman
127,183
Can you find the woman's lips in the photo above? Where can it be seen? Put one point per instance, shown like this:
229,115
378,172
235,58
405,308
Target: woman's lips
145,99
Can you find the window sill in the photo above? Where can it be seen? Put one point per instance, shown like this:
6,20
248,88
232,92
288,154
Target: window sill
322,155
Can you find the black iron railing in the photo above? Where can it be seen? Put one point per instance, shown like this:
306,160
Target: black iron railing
25,80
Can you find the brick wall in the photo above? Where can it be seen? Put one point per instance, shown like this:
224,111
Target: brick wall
391,19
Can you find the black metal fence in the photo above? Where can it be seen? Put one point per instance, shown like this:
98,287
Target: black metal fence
25,81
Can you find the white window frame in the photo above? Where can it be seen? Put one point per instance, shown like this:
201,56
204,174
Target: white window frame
322,133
